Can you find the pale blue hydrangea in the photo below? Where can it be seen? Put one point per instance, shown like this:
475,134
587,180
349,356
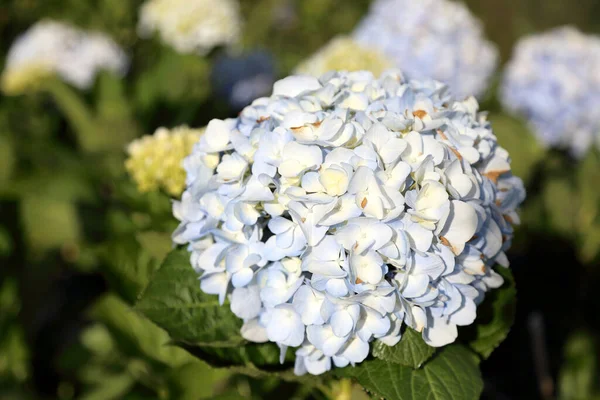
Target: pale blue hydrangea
432,39
553,80
340,208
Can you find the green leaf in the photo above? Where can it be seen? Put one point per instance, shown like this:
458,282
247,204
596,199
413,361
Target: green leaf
257,354
128,268
495,316
195,380
157,244
14,354
411,351
453,374
131,262
111,387
173,300
136,335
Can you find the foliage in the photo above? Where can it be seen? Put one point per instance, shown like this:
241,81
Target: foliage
451,374
579,373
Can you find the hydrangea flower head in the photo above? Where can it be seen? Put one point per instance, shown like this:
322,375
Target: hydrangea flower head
53,48
344,53
191,25
553,80
341,208
155,161
437,39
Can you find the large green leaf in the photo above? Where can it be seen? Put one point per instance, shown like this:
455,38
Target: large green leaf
495,316
411,351
174,301
131,262
453,374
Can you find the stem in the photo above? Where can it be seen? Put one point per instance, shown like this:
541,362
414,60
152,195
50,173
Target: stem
76,111
540,355
111,101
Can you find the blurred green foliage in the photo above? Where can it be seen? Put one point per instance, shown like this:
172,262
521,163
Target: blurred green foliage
14,353
580,371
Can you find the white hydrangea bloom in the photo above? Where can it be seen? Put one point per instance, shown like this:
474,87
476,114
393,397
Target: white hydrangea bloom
342,207
553,80
51,47
191,25
432,39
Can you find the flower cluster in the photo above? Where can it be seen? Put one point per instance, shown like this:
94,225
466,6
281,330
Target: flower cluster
53,48
437,39
342,207
155,160
553,80
344,53
191,25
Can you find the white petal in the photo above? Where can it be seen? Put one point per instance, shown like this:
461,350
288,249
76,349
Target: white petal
245,302
307,303
242,277
439,332
356,351
293,86
460,225
215,284
342,323
216,136
323,338
254,332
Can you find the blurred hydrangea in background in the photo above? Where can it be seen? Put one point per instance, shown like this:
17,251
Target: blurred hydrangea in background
553,80
437,39
155,160
192,26
53,48
344,53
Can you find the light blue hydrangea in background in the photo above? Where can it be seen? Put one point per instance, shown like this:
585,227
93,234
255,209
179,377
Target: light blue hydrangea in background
340,208
553,80
432,39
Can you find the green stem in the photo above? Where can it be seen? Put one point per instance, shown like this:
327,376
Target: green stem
111,101
78,114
